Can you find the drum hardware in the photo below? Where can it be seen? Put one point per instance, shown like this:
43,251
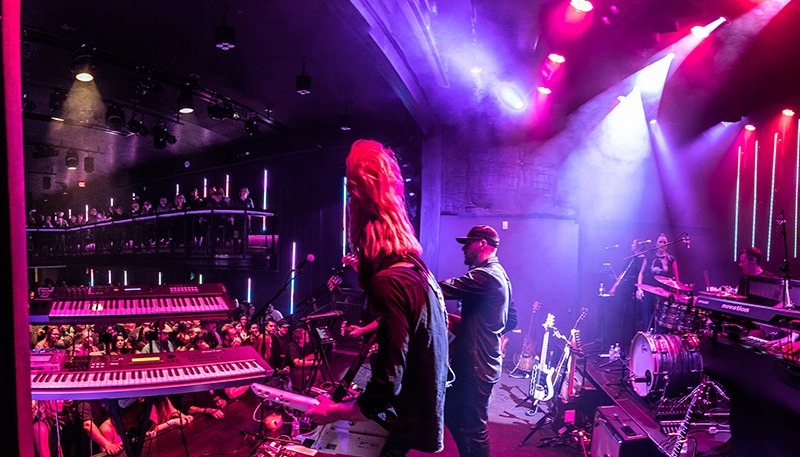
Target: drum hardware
721,294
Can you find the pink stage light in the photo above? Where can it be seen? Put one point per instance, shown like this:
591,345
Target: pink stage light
700,31
544,90
750,127
556,58
788,112
581,6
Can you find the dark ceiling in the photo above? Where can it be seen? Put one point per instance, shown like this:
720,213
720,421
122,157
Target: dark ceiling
391,65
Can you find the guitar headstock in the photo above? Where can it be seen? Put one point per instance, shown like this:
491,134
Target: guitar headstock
536,306
584,311
550,322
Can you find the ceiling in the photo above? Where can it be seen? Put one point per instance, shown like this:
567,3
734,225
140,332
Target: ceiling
391,65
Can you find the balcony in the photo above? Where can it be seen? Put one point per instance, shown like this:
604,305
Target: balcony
222,238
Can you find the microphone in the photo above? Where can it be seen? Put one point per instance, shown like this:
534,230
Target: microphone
309,258
688,242
612,247
781,219
644,242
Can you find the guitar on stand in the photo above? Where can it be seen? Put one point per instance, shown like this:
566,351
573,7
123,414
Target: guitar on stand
569,360
541,386
525,360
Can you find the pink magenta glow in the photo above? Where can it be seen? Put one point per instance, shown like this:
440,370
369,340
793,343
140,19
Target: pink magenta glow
544,90
581,6
788,112
556,58
700,31
749,127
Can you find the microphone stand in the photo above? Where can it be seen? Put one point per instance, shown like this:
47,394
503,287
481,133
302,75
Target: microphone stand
787,277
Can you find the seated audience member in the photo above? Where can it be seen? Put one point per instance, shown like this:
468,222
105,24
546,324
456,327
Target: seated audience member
302,360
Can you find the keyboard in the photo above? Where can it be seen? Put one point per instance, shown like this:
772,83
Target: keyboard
116,304
778,317
135,375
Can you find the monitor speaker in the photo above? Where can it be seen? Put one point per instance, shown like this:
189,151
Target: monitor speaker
616,434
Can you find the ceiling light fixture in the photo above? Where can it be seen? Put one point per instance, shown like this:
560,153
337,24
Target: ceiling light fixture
252,126
83,63
161,137
303,81
136,125
225,35
115,117
222,110
186,99
72,159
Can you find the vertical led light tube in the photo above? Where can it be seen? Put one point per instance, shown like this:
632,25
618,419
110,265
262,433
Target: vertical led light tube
736,205
796,184
772,194
250,290
91,276
160,277
755,194
294,273
200,279
177,189
124,277
112,201
227,185
264,201
86,215
205,187
109,277
344,216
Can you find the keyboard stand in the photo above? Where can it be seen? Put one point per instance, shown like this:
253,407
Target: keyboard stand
131,449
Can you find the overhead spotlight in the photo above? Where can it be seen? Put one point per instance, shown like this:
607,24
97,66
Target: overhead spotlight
611,14
27,104
788,112
81,184
225,35
544,90
252,126
115,117
88,164
161,137
303,81
186,99
72,159
136,125
83,63
222,110
581,6
551,65
750,127
344,123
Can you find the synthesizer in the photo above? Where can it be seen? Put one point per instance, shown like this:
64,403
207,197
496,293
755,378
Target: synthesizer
116,304
778,317
135,375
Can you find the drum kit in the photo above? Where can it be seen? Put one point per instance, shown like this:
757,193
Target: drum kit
667,363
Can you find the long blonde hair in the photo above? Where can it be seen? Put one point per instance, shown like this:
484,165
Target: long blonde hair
377,207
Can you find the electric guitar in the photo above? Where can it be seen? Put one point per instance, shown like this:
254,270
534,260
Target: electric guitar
541,387
525,359
568,363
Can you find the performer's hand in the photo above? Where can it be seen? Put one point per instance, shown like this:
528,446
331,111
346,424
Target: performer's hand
351,260
639,294
323,413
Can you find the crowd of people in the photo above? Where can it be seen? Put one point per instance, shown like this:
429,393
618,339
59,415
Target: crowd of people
142,207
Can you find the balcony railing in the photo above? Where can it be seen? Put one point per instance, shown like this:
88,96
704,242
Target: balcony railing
198,233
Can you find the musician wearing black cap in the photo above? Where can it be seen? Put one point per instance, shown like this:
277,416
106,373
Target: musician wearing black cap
485,294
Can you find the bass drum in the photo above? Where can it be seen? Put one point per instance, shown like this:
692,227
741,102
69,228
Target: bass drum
665,365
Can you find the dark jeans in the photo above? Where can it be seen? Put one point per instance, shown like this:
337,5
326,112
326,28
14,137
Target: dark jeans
466,415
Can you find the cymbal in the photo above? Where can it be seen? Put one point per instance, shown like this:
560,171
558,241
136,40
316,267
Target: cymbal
654,290
663,293
721,294
669,282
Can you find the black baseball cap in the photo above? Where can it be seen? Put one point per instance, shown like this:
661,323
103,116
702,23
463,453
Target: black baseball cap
481,232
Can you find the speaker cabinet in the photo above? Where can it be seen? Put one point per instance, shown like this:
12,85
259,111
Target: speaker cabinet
615,434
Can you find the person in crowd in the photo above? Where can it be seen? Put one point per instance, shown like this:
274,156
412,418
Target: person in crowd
302,360
52,339
406,389
485,295
147,208
136,208
164,206
161,343
230,335
273,313
45,425
194,201
215,338
179,202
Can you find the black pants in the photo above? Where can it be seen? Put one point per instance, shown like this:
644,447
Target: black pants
466,415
